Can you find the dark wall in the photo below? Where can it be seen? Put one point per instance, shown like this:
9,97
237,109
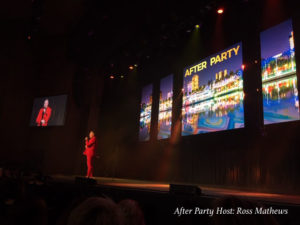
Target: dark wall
256,157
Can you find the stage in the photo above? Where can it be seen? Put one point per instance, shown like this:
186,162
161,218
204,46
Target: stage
207,191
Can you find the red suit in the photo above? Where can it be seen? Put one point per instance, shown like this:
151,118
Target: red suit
90,152
44,114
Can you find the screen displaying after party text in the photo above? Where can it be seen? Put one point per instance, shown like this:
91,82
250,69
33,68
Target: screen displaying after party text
145,113
165,107
213,93
278,72
48,111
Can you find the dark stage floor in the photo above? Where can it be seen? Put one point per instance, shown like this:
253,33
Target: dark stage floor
207,191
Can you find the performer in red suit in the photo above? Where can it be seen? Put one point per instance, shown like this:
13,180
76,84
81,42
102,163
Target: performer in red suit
90,146
44,115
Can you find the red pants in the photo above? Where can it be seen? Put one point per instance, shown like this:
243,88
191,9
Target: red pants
89,163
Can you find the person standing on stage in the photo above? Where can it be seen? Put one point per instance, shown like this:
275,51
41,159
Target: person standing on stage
44,114
89,152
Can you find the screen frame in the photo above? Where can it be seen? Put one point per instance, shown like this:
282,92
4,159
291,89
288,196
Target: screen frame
151,114
182,88
291,19
47,96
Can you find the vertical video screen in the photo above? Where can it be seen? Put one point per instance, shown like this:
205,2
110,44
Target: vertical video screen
145,113
213,96
165,107
48,111
278,73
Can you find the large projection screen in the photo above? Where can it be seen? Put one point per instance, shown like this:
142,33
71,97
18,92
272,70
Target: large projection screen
278,72
145,113
165,107
48,111
213,93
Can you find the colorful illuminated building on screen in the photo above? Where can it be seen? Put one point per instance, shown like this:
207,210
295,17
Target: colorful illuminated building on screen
165,107
145,113
223,91
279,79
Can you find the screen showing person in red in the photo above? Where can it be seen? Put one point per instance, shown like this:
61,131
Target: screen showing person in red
48,111
44,114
